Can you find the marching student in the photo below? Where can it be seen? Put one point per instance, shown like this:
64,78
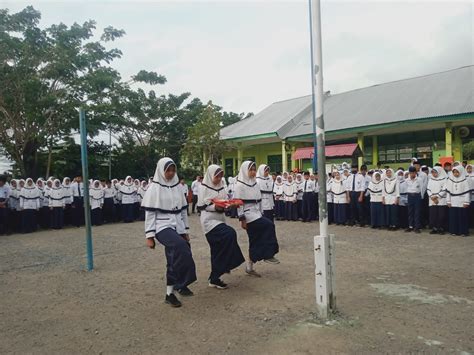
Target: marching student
436,191
403,202
108,210
375,190
141,194
470,179
128,193
458,201
414,190
56,203
195,189
68,200
4,196
265,183
96,200
391,199
355,184
263,243
289,193
279,199
308,189
30,203
299,196
339,197
165,207
13,204
225,251
78,201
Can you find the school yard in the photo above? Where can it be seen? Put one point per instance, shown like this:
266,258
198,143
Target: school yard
396,293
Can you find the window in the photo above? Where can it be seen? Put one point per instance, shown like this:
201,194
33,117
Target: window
229,167
274,162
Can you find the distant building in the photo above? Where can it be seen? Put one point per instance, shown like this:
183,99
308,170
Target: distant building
427,117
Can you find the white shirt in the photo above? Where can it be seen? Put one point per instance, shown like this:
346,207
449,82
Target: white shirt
156,221
414,186
4,194
77,189
210,218
266,189
250,211
195,187
436,188
308,186
359,185
56,197
338,191
391,191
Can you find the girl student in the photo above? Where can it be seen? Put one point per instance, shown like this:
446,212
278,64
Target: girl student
232,212
390,199
458,201
57,204
138,200
339,197
43,213
279,199
263,243
376,197
299,183
225,251
403,203
13,204
265,183
289,194
30,203
128,193
436,191
96,198
329,198
109,202
470,179
165,211
68,200
140,195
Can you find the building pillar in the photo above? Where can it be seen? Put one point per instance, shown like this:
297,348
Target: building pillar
449,139
375,151
284,162
360,142
457,145
294,163
204,162
240,156
223,162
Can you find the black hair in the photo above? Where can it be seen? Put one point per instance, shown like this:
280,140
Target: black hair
437,164
3,178
306,173
363,167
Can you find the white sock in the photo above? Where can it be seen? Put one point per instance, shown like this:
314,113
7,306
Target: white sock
169,290
249,265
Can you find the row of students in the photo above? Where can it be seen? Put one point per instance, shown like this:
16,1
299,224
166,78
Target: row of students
166,222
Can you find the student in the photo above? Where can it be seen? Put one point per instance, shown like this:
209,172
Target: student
96,198
44,217
366,202
195,189
117,199
68,200
470,179
128,193
78,201
141,194
30,203
308,204
136,205
263,243
402,208
356,186
436,191
330,198
414,189
108,210
458,201
165,208
391,199
4,197
265,183
289,194
230,194
315,179
279,199
375,190
185,188
13,203
56,205
299,196
340,197
225,251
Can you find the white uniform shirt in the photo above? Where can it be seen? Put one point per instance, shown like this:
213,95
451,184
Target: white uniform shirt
414,186
250,211
458,194
436,188
391,191
376,191
195,187
67,192
156,221
356,182
338,191
97,200
29,203
56,197
77,189
4,195
266,189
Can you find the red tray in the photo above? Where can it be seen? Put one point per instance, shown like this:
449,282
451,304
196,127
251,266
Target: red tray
227,203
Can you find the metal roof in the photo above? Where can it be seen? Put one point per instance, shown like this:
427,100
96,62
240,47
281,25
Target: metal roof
440,94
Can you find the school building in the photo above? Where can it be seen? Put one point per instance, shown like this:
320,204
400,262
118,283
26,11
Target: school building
427,117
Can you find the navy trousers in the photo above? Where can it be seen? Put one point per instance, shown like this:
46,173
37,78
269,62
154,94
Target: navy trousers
414,211
331,212
3,220
78,211
308,206
356,209
108,210
180,267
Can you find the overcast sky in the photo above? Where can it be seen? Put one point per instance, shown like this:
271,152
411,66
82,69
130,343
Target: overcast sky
244,55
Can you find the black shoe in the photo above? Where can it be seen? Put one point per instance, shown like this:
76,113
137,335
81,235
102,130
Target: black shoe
185,291
172,300
434,231
409,230
219,284
441,232
417,231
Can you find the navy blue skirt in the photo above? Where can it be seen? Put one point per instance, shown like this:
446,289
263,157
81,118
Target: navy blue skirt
263,243
376,214
340,213
225,251
180,267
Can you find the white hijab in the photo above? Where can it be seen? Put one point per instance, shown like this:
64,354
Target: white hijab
247,188
374,185
457,186
30,191
337,185
128,188
164,195
389,183
264,182
96,192
208,190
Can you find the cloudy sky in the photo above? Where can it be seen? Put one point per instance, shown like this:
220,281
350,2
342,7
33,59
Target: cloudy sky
244,55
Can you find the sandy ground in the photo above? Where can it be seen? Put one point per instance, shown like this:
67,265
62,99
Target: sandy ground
396,293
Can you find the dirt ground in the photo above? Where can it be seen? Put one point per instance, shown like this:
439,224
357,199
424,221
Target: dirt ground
396,293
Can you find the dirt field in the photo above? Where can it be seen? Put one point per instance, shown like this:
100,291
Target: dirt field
396,293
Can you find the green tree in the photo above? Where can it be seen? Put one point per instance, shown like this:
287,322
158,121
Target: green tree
468,150
46,75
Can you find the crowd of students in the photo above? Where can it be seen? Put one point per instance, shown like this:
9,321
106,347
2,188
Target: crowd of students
26,205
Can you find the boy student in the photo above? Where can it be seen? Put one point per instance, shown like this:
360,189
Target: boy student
356,185
308,198
414,190
195,188
78,201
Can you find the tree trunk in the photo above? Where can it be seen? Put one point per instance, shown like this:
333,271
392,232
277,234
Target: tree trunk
48,165
30,159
